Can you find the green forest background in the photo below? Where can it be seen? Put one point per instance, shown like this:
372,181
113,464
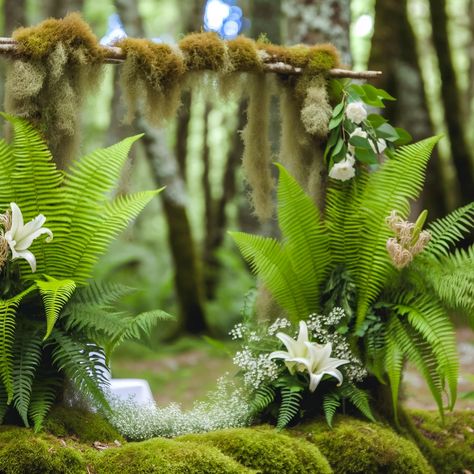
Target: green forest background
178,254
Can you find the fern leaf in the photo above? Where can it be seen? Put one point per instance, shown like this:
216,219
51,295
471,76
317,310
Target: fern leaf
100,294
33,184
27,356
289,408
393,362
398,180
449,230
43,394
427,317
270,262
55,294
76,256
7,337
305,237
7,165
263,397
418,351
331,402
359,398
83,364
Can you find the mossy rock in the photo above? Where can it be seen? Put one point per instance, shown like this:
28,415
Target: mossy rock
164,456
87,427
266,450
23,452
449,446
358,447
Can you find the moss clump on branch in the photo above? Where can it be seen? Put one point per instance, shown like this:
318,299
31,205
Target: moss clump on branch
243,56
57,62
204,52
257,155
359,447
152,73
449,446
265,450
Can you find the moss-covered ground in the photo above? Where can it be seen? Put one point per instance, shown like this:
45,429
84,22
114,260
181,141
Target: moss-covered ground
75,441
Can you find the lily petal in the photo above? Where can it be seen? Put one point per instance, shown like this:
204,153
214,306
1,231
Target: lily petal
29,257
303,334
27,239
279,355
17,218
314,380
336,374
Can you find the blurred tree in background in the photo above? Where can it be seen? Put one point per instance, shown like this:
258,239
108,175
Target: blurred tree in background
178,253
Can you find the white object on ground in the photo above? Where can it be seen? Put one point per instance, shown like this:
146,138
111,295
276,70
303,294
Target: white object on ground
136,389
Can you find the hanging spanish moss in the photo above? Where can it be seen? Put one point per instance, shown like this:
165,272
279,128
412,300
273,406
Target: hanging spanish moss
257,155
152,77
57,62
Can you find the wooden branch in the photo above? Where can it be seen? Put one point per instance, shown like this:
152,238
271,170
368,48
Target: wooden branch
8,46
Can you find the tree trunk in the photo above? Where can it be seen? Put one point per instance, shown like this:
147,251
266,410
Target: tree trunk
166,172
394,52
266,15
452,102
60,8
320,21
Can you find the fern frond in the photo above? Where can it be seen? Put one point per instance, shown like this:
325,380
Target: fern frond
305,238
100,294
43,394
83,365
398,180
263,397
418,351
8,310
75,255
6,165
134,327
449,230
393,363
33,184
27,356
331,402
270,262
430,320
55,294
289,407
359,398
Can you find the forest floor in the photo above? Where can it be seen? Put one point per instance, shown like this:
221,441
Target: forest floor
188,370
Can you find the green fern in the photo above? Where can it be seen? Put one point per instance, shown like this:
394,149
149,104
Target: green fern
398,180
264,396
359,398
8,310
393,362
55,294
44,393
289,407
27,356
331,402
3,402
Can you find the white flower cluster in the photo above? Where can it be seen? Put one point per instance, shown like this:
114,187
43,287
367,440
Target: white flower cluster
227,407
257,369
279,323
238,331
322,330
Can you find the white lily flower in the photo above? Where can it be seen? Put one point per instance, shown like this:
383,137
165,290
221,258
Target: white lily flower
20,236
305,356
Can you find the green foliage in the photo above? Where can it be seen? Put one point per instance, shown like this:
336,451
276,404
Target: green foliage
264,396
289,406
84,218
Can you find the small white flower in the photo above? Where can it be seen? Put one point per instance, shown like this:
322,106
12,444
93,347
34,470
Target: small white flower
356,113
305,356
343,170
20,236
381,146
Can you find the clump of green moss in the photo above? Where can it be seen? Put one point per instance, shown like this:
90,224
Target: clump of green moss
58,61
162,456
152,73
359,447
449,446
243,55
22,451
322,57
257,157
204,51
87,427
265,450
